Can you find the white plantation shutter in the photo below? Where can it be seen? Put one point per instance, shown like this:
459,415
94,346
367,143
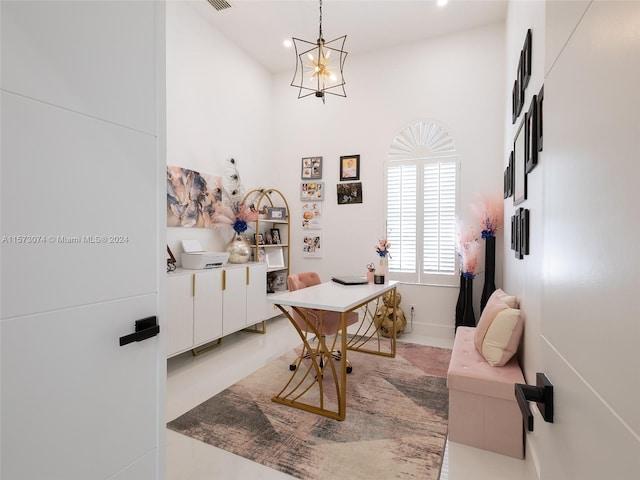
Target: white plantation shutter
402,208
421,211
439,216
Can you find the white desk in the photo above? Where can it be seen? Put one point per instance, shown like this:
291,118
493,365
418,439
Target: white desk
299,391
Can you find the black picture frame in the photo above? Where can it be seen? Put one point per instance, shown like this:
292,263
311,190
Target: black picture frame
275,236
539,122
277,213
532,136
514,102
349,193
349,167
258,239
513,232
524,231
519,160
526,60
311,168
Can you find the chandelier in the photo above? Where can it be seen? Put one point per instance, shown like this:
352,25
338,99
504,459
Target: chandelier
319,66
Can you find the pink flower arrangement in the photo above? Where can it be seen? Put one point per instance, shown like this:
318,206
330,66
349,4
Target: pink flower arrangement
232,210
382,248
468,249
490,211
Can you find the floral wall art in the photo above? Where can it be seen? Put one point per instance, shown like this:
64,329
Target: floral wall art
191,198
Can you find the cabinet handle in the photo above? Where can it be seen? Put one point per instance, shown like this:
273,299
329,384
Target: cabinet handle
247,281
145,328
224,280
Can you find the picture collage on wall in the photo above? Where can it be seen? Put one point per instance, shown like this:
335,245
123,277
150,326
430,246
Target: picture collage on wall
527,144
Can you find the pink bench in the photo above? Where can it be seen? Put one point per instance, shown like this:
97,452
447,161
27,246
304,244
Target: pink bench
483,411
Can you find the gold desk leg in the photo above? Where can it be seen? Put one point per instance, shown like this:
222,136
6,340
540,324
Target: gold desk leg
302,382
195,352
368,331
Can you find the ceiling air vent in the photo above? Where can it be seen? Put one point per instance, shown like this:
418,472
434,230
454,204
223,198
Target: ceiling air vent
219,4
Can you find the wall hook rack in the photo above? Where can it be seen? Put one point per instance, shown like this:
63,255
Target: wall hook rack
542,394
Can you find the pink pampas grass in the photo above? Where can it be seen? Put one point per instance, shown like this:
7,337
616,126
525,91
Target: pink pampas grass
468,248
490,212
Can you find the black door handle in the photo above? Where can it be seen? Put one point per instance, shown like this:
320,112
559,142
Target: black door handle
145,328
542,394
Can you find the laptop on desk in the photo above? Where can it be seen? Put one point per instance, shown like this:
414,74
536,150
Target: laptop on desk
350,280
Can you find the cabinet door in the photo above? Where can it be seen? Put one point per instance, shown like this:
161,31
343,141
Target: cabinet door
207,307
256,293
179,313
234,303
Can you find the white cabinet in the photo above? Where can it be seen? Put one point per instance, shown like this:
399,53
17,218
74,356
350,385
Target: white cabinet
204,305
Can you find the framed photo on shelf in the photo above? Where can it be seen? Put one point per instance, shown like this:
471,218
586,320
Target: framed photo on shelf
311,191
276,213
275,258
350,167
261,255
311,168
258,239
275,236
267,238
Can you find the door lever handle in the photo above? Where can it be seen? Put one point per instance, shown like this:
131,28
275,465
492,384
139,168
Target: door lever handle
145,328
542,394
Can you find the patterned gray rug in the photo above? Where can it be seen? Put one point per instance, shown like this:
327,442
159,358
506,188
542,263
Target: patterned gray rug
395,426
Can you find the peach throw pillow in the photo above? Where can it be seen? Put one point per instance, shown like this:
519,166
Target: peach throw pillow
502,338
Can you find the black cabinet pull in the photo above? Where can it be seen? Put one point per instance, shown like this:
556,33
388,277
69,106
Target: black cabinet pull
145,328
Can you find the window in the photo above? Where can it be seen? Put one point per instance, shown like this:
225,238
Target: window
421,177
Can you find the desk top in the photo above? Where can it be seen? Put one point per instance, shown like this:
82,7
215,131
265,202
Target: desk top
332,296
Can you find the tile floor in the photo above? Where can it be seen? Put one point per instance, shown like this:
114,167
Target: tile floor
191,380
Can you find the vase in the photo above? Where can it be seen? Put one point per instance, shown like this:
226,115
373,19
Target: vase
468,317
489,271
460,303
238,249
382,268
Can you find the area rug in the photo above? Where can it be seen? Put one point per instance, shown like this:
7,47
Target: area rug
395,426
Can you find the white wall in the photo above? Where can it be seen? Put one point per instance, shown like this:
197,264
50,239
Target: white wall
578,287
457,80
218,107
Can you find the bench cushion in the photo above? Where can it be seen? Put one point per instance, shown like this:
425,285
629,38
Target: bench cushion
470,372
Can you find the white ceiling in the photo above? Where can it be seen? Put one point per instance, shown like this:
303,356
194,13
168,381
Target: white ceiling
259,27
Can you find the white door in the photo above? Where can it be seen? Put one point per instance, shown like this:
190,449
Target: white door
81,170
590,328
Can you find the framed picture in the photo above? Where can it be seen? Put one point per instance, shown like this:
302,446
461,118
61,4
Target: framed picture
518,236
508,177
276,282
275,236
311,215
531,138
519,159
350,167
276,213
311,168
312,191
258,239
526,60
539,119
274,258
312,245
524,231
515,99
349,193
261,255
513,232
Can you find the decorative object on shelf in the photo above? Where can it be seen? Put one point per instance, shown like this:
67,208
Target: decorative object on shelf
319,66
350,167
490,211
349,193
311,168
468,249
276,213
275,258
